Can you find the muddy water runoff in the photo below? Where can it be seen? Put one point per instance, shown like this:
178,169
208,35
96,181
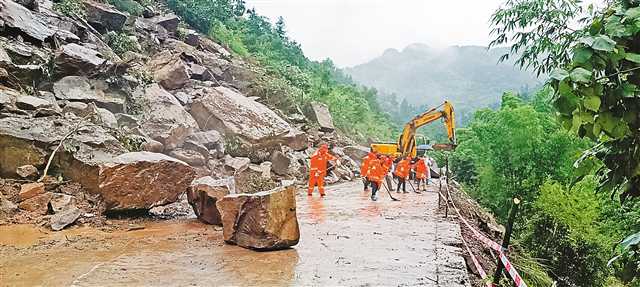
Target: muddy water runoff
346,240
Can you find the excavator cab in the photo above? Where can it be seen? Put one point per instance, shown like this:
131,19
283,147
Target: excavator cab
423,144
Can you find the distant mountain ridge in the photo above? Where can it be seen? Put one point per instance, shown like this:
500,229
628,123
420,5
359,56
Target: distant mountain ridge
469,76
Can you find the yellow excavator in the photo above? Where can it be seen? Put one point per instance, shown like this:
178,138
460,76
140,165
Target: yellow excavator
406,145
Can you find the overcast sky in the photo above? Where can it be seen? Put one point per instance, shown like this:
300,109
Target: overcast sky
352,32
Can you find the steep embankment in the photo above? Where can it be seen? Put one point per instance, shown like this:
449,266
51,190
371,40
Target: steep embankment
121,99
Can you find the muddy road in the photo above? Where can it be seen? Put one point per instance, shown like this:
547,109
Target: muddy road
346,239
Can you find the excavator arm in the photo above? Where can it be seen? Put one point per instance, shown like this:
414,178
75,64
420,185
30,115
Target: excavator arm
407,141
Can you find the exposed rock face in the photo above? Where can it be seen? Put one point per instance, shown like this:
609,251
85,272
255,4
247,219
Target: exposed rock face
203,195
103,17
164,119
320,113
264,221
30,190
18,17
79,60
223,109
142,180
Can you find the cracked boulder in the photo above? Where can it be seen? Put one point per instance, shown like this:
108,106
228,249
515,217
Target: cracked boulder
320,113
143,180
263,221
203,195
164,118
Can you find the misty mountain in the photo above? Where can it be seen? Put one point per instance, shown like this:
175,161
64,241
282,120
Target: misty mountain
469,76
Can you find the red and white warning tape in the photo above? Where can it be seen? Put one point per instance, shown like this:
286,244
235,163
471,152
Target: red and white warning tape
481,271
491,244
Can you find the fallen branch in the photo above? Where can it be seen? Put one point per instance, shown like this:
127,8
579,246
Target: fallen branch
80,125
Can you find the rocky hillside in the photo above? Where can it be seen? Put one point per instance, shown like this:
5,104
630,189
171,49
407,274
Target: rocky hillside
122,121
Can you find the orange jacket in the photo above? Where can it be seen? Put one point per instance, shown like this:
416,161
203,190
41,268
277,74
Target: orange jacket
388,162
366,161
402,168
376,171
421,169
319,162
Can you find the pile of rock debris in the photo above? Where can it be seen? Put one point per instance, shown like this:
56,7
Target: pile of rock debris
137,130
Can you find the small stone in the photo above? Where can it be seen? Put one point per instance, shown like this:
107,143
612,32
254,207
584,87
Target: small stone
237,164
152,146
64,218
30,190
60,202
27,171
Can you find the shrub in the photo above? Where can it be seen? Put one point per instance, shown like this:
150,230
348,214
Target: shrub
120,42
228,38
70,8
132,7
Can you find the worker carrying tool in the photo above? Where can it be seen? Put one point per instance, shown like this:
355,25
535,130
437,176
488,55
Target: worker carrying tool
318,169
422,173
375,175
403,168
364,168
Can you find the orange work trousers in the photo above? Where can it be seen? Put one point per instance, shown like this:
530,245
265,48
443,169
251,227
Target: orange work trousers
316,180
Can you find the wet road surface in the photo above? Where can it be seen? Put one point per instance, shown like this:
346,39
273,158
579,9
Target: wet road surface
346,240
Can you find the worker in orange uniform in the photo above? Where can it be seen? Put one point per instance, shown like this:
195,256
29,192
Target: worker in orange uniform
364,168
318,169
421,173
402,173
375,175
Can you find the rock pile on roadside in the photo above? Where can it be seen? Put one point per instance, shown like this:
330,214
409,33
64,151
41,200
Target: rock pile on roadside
132,129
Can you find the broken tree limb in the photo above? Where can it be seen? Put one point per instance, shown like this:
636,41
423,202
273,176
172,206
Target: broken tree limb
82,123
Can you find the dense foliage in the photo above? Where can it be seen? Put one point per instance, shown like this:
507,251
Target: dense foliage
291,79
520,150
594,73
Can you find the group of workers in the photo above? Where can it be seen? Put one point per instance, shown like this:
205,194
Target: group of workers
374,170
376,167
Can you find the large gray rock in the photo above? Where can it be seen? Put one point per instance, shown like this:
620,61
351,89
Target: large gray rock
143,180
223,109
320,113
297,140
32,103
16,16
73,59
264,221
169,22
280,163
164,119
356,153
64,218
81,89
103,17
203,195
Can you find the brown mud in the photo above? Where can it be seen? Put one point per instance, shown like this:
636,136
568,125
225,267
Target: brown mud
346,239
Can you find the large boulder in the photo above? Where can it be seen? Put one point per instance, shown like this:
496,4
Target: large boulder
104,17
32,103
320,113
169,22
78,60
169,70
143,180
223,109
81,89
16,16
264,221
356,153
297,140
203,195
164,118
280,163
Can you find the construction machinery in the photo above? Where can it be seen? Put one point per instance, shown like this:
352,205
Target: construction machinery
406,145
